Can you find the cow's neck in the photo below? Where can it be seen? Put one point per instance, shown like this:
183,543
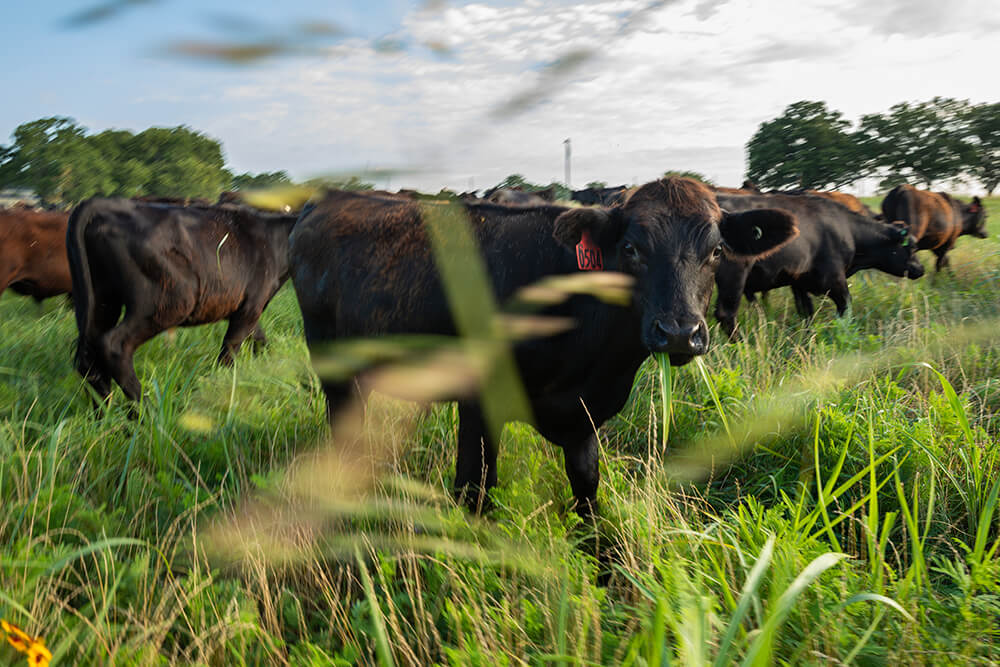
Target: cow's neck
867,236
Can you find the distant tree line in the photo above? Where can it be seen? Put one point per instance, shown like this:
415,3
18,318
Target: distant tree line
943,139
64,164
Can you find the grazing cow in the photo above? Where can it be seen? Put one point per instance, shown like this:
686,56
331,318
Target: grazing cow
935,218
168,266
599,196
33,253
833,244
362,266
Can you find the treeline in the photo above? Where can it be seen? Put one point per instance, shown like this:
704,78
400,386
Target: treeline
64,164
812,146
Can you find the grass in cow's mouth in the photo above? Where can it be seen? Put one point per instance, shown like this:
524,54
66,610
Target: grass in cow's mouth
874,436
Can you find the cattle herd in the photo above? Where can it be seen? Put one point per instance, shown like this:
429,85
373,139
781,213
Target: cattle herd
362,265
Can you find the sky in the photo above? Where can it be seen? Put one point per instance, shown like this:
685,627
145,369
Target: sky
462,94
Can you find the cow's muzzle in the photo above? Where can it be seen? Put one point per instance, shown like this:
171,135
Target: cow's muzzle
682,341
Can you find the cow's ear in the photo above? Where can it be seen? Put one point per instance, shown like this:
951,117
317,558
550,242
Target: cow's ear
757,232
603,224
976,205
899,233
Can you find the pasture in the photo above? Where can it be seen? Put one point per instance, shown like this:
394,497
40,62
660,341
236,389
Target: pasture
828,494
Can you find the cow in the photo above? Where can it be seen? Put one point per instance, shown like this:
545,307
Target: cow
748,188
168,266
362,266
599,196
33,253
849,201
511,197
935,218
833,244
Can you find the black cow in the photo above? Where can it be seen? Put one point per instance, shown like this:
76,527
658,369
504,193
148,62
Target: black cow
361,266
514,197
833,243
599,196
168,266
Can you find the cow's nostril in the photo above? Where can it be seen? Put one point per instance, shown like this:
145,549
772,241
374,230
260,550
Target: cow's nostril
699,339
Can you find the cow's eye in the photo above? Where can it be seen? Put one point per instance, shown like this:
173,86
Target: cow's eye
717,252
630,250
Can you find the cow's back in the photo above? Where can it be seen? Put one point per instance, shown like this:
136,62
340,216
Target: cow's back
352,244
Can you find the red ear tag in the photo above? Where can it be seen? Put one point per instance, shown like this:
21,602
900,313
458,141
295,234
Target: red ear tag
974,208
588,254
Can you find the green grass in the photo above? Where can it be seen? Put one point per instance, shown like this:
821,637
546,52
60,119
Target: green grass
828,493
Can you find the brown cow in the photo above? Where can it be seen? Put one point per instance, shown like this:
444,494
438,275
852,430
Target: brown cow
849,201
33,253
748,188
935,218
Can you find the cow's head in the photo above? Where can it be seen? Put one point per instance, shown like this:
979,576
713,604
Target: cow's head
670,236
897,254
974,219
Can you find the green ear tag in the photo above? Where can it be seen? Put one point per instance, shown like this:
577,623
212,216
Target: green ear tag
757,233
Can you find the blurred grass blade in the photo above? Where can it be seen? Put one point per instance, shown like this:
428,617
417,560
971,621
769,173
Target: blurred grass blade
666,396
470,297
715,397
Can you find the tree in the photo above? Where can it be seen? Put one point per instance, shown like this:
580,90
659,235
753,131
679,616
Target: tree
984,130
597,185
266,179
808,146
927,141
64,165
518,182
350,183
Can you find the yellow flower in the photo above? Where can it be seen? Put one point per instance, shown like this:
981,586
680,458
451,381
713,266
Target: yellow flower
33,647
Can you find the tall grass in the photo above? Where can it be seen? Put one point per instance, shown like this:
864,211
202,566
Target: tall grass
828,493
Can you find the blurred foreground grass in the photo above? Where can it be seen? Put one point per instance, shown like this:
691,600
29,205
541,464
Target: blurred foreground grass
200,534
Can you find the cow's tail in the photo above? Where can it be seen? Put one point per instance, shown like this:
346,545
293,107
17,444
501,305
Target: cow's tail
83,285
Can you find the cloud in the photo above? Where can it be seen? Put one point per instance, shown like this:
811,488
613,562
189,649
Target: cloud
706,9
786,51
682,87
922,18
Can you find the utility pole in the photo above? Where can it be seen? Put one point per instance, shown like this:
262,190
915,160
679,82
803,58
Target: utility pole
567,159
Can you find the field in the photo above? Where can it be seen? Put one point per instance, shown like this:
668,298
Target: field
828,494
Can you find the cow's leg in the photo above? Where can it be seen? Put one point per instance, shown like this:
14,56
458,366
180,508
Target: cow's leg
476,463
118,348
258,338
241,325
90,360
803,303
339,394
840,294
942,257
731,281
582,468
